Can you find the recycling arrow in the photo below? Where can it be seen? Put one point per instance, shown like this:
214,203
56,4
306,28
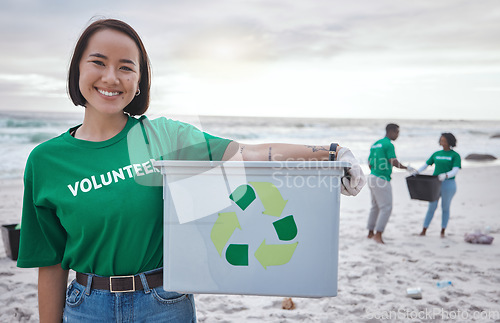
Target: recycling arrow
267,254
286,229
270,197
223,229
237,254
274,254
243,196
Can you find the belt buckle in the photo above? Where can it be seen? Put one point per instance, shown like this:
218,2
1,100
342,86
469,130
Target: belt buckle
121,277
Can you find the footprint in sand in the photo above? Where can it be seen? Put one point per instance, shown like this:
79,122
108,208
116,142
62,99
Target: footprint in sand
427,253
458,294
384,292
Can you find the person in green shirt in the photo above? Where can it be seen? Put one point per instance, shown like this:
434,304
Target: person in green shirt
91,203
447,164
381,160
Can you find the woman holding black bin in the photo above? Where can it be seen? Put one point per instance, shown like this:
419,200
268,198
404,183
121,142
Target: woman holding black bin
447,164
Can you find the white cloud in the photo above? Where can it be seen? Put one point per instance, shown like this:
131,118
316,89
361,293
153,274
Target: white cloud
387,49
31,85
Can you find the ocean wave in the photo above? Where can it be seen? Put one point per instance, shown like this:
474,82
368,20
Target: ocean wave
19,133
33,138
13,123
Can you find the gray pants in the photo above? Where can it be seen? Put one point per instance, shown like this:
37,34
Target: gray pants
381,192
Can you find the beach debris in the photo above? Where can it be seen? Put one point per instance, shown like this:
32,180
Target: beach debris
414,292
11,236
478,238
288,304
444,283
480,157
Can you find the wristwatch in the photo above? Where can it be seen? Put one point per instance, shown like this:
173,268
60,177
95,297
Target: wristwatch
332,154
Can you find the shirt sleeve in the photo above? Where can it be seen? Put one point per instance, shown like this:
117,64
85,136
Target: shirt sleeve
457,161
390,151
430,161
43,239
173,140
194,144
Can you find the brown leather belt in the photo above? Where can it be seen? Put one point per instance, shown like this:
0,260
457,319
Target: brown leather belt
120,284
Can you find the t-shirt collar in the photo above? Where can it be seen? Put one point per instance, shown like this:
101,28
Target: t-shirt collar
99,144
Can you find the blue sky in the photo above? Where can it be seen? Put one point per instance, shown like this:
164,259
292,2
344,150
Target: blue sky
347,59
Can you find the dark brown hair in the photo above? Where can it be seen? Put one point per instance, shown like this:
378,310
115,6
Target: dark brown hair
450,138
140,103
391,127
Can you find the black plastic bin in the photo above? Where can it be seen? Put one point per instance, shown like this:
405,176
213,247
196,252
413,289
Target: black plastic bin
10,236
424,187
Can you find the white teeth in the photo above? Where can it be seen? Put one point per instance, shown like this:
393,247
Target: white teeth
108,93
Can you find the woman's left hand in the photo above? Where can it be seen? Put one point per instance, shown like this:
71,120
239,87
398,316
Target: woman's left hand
351,185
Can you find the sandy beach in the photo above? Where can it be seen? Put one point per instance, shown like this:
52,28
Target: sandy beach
373,278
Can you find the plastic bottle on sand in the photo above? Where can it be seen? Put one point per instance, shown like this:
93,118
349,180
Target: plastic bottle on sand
444,283
415,292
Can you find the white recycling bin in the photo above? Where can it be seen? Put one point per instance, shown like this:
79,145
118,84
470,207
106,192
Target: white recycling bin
257,228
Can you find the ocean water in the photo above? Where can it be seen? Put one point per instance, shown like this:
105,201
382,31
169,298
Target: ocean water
20,132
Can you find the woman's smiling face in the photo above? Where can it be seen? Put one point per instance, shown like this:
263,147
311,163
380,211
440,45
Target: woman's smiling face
109,71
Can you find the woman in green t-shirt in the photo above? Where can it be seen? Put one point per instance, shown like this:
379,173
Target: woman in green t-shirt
447,163
84,211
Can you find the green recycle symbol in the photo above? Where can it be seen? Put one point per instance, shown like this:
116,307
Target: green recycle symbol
266,254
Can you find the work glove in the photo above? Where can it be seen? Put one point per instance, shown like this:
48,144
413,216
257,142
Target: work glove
354,180
411,170
442,177
421,169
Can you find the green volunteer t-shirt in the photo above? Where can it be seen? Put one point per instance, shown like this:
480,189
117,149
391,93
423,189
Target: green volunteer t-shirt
380,153
95,207
444,161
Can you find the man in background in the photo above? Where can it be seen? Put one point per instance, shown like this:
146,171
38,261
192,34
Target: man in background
381,160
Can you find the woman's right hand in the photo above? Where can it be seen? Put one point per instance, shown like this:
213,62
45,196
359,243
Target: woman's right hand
442,176
353,183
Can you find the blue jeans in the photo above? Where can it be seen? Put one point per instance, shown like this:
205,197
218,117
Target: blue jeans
84,304
448,190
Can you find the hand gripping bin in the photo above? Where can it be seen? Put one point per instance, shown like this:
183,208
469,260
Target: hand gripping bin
259,228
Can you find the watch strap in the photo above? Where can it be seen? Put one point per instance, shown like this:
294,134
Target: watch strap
332,154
